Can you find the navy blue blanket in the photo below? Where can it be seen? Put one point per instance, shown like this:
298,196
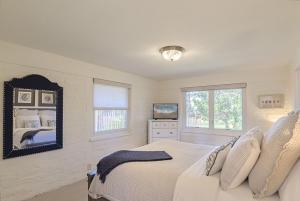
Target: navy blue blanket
108,163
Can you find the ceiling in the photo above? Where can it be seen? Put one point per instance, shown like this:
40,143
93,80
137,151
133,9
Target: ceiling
126,35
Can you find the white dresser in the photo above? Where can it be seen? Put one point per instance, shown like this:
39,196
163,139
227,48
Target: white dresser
162,129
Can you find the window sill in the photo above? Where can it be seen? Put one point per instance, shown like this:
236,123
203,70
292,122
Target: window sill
109,135
231,133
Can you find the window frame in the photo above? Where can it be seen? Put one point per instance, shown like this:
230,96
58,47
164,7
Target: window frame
113,132
211,130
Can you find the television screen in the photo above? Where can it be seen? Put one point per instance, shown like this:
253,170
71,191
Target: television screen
165,111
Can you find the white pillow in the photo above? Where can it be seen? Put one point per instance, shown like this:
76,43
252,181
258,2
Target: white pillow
241,159
216,158
47,118
279,151
26,112
32,123
255,132
20,120
289,191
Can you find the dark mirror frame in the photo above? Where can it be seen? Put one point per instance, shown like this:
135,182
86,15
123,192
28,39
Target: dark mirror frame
37,82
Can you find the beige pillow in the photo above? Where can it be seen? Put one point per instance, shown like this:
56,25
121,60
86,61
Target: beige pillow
280,150
241,159
217,156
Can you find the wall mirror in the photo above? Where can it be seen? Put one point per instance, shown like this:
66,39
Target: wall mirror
33,116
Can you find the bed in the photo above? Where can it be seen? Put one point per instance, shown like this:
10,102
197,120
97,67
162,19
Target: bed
179,179
43,136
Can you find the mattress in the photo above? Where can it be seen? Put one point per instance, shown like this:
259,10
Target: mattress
149,181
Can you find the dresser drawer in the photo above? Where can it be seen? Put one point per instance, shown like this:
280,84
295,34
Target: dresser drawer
164,132
165,124
173,125
157,125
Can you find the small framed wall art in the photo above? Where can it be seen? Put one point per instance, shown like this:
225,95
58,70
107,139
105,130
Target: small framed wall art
47,98
24,97
271,101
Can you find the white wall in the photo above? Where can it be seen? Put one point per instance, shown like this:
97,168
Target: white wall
27,176
259,82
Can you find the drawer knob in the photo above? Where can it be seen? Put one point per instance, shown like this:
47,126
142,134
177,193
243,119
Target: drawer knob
158,133
171,132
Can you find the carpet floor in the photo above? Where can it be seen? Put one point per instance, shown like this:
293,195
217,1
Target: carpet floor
73,192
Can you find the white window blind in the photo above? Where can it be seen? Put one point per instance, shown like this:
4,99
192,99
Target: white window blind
107,96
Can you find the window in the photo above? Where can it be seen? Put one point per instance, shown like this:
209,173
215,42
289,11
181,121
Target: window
197,109
111,103
215,107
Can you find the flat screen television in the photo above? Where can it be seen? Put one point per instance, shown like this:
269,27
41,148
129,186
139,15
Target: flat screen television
165,111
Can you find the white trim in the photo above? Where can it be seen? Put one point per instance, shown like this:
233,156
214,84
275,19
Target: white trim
211,115
244,111
215,87
211,130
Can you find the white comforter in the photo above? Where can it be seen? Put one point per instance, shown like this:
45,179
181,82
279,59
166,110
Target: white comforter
149,181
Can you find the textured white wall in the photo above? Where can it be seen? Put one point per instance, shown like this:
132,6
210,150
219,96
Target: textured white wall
264,81
27,176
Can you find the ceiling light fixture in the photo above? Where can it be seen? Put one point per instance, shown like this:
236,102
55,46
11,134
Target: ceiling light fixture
172,53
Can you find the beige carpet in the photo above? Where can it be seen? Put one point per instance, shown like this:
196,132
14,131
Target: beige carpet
73,192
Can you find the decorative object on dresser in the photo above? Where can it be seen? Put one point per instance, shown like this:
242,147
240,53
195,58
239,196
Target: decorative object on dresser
162,129
32,125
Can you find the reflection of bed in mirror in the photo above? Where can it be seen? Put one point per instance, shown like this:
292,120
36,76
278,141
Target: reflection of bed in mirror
28,137
34,127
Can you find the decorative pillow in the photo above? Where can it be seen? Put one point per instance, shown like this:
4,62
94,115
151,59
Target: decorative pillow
241,159
216,158
289,191
280,150
46,118
19,123
32,123
51,123
47,112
